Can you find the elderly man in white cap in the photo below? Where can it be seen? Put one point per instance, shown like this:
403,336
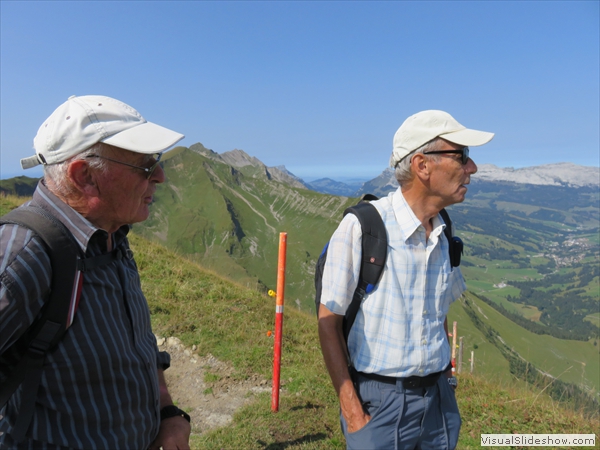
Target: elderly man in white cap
102,385
393,377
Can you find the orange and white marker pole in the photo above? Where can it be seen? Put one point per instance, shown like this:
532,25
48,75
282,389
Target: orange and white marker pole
454,331
278,321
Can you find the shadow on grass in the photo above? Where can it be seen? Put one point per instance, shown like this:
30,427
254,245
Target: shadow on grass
303,440
309,405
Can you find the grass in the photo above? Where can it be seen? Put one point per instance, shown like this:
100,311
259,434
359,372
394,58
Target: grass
488,409
559,357
594,318
231,322
9,202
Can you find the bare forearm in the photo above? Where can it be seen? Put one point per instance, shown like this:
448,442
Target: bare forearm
174,432
333,346
165,397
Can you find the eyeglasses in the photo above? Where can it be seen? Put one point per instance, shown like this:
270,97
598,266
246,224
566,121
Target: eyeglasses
149,170
464,152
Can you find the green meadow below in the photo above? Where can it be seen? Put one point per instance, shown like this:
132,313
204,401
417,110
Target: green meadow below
227,324
231,322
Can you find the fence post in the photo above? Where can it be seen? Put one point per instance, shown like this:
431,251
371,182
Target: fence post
460,354
472,360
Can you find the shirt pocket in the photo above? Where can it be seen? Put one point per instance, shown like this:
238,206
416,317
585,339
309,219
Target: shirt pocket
443,288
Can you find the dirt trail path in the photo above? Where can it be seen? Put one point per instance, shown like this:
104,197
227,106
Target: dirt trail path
203,387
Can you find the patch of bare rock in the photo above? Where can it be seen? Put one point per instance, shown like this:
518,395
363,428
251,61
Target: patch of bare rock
203,386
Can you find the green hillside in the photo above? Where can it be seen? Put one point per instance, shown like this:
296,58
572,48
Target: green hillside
229,220
21,186
230,320
575,362
531,257
532,250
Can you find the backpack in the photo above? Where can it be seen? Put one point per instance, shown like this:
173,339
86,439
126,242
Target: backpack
374,254
22,363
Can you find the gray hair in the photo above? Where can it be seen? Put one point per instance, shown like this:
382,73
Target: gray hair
403,171
56,174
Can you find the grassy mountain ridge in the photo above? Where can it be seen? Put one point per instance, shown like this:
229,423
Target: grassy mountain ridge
506,243
22,186
244,210
230,218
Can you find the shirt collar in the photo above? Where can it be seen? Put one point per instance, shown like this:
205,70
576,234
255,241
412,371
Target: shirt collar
408,221
81,228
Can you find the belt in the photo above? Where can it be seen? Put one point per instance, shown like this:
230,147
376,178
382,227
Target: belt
408,382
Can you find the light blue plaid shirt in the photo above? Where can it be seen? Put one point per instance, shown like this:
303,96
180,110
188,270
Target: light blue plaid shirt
399,329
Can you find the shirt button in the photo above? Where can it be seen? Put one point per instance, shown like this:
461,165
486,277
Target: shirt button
421,371
424,312
424,341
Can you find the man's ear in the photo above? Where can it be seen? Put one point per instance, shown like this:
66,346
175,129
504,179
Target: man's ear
82,177
421,166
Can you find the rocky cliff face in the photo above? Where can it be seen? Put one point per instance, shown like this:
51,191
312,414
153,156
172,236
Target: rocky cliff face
559,174
251,165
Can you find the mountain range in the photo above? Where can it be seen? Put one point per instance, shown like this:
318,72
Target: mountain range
559,174
531,250
240,159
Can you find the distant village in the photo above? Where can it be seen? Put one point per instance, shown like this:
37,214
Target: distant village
573,251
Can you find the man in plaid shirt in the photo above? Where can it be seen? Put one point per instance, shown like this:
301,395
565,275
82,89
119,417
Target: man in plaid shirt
399,390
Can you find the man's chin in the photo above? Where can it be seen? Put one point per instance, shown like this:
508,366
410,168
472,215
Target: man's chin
461,195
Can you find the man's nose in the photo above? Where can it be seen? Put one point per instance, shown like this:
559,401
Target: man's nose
158,175
471,166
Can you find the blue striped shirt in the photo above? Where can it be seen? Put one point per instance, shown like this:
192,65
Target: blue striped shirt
99,386
399,329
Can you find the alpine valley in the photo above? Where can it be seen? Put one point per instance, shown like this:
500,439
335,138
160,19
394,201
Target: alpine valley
531,261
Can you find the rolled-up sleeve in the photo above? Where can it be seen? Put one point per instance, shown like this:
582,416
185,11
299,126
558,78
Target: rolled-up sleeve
163,360
342,267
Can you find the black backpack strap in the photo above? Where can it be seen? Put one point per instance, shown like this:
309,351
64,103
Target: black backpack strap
45,332
50,327
374,254
455,244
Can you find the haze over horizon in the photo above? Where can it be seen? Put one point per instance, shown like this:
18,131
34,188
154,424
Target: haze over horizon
319,87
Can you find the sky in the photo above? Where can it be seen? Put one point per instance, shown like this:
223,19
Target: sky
320,87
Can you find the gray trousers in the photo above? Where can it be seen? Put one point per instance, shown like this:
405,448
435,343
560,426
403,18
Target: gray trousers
406,419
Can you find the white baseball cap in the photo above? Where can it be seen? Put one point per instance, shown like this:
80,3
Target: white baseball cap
81,122
425,126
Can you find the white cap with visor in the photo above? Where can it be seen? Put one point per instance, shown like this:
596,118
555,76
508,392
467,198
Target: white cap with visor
81,122
425,126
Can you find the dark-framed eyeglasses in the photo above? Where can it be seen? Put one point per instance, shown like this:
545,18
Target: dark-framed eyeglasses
464,152
149,170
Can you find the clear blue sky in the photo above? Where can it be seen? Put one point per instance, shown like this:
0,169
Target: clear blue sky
320,87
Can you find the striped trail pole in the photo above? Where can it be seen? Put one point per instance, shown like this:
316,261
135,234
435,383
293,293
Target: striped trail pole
278,321
454,348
